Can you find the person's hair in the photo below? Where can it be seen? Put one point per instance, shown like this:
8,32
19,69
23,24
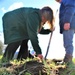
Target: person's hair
47,12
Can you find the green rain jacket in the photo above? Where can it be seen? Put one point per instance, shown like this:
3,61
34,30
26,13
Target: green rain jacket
21,24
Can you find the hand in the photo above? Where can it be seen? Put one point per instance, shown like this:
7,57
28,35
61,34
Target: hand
66,26
40,56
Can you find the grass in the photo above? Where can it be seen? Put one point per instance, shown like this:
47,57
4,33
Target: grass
4,71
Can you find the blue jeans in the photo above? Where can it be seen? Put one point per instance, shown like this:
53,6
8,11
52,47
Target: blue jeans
68,41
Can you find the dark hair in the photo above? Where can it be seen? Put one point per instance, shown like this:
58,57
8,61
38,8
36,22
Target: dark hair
47,12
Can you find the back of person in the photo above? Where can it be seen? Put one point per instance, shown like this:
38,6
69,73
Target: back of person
19,21
21,25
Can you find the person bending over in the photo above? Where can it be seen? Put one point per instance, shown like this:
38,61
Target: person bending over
21,25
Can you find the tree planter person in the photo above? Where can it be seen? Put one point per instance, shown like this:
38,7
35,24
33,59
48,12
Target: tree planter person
21,25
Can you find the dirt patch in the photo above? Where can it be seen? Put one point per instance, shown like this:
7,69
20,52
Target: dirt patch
47,67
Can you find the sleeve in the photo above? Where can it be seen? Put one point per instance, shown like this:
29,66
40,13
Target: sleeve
32,26
69,10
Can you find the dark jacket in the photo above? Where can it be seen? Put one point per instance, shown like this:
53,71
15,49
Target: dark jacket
20,24
67,14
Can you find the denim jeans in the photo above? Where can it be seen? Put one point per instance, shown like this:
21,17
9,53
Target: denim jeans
68,41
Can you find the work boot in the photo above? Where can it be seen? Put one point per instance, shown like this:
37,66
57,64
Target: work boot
68,58
68,61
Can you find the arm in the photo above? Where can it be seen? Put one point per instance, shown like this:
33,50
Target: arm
32,27
69,12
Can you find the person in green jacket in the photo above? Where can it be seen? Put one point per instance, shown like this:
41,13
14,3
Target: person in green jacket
21,25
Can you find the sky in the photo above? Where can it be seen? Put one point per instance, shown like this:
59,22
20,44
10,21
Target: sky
56,49
7,5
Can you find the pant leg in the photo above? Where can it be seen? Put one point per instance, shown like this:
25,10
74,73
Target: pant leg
23,52
10,50
68,41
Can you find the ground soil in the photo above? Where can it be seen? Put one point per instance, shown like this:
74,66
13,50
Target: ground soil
35,68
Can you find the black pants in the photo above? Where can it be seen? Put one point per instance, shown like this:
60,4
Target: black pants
12,47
